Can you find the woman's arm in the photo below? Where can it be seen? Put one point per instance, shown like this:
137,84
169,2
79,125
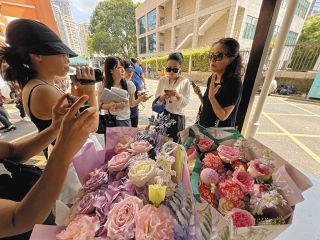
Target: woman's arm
25,149
19,217
183,96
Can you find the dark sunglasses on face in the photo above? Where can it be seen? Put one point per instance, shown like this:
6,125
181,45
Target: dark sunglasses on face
218,56
169,69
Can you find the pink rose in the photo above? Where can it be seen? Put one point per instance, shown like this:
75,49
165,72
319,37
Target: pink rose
192,153
154,223
226,206
121,219
241,218
119,162
81,227
258,169
245,181
86,204
205,144
123,144
141,146
96,179
228,154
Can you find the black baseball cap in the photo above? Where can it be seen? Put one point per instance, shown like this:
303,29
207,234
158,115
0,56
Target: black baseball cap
35,37
128,66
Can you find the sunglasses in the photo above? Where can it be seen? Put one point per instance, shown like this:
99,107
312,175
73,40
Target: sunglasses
169,69
218,56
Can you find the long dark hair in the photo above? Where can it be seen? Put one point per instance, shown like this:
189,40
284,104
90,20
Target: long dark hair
232,48
111,63
19,65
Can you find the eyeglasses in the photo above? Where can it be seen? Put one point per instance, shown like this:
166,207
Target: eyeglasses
169,69
218,56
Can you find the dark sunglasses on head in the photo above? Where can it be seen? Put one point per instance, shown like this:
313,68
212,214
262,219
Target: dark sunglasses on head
218,56
169,69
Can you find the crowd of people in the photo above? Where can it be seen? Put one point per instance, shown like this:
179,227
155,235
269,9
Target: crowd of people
37,60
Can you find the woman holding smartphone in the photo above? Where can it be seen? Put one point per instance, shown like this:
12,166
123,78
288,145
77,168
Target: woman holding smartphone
224,88
174,90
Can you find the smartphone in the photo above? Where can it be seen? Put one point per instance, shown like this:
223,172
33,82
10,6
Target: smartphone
167,91
71,100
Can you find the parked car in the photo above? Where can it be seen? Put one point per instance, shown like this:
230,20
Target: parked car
286,90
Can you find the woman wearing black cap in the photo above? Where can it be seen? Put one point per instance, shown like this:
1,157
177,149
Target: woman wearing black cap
174,90
36,55
224,87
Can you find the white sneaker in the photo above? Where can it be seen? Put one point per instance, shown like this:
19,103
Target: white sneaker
26,119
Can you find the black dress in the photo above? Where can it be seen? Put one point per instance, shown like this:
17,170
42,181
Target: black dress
229,94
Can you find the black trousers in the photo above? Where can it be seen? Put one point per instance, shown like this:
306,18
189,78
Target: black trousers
174,129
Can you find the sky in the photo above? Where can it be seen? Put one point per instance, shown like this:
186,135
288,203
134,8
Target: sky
82,9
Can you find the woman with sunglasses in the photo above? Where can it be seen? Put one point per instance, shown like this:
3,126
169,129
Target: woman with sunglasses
224,87
174,90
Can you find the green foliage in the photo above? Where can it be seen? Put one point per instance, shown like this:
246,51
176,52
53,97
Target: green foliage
113,28
199,60
311,29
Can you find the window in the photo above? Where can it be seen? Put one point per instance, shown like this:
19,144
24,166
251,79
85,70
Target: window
152,20
251,24
302,8
284,4
152,43
291,38
142,45
276,31
142,25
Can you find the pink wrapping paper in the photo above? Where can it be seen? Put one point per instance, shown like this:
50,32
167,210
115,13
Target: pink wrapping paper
45,232
88,160
113,136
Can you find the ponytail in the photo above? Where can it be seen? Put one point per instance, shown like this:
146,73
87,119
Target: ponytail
19,66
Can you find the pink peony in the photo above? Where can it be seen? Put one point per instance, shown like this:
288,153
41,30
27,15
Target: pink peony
205,144
228,154
241,218
212,160
231,191
123,144
245,181
82,227
96,179
258,169
209,176
141,146
119,162
121,219
154,224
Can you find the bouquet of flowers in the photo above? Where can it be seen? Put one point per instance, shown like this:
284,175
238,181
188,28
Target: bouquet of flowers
139,193
249,186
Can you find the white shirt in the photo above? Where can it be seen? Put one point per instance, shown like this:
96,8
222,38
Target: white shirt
182,86
122,114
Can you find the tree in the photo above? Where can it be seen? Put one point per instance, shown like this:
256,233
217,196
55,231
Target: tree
311,29
113,30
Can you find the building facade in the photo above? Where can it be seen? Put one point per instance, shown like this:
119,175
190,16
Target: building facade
73,34
165,26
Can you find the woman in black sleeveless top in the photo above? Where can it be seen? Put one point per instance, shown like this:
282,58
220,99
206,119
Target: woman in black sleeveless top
35,56
224,88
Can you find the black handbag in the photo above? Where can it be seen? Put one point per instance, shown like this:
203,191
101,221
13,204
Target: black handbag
102,124
16,186
111,120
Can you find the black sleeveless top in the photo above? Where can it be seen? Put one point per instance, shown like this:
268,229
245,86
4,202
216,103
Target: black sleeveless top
40,124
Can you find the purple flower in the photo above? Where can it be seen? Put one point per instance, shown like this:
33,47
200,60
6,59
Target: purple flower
96,179
87,204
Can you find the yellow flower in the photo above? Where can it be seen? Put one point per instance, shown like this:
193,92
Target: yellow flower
157,194
142,172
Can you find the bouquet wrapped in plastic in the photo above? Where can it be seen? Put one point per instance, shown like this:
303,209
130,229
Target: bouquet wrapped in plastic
252,189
